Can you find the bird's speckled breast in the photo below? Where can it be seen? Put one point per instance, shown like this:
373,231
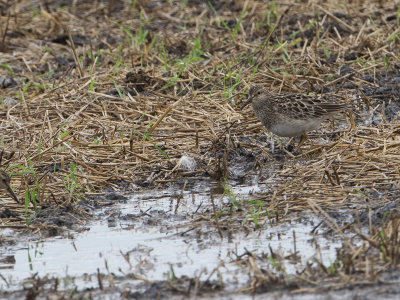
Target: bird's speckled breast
264,112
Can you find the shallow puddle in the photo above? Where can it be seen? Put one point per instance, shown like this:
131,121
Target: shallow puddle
152,237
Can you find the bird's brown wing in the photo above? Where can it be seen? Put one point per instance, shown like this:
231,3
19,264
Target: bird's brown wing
300,106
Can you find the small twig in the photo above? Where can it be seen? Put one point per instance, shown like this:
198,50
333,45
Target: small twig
77,62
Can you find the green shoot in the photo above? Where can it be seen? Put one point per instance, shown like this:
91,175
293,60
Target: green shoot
332,268
71,183
255,214
146,136
7,68
231,196
171,274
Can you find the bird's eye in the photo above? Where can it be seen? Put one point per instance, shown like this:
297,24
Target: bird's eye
259,92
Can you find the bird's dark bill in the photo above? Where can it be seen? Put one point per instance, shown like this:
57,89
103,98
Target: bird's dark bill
12,194
246,103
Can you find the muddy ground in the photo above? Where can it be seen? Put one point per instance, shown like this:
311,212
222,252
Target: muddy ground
138,176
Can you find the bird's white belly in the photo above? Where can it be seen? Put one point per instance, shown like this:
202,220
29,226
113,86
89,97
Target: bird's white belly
295,127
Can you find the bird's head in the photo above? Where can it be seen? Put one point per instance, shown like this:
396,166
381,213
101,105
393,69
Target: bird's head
254,92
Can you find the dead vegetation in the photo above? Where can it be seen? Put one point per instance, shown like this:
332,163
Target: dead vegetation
102,93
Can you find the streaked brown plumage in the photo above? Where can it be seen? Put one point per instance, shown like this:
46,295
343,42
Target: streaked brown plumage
290,115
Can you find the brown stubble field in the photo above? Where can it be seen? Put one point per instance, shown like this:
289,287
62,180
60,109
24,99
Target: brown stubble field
109,95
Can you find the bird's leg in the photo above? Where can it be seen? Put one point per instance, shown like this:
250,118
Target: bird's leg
303,138
272,141
292,140
280,143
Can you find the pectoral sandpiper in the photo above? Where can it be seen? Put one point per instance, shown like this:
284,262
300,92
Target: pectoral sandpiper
290,115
